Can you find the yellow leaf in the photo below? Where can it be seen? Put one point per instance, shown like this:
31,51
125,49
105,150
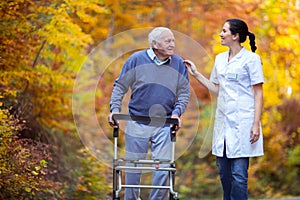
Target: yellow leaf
27,189
35,173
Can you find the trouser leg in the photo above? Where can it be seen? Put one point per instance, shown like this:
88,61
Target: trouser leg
234,177
239,190
136,148
161,148
159,178
132,179
224,168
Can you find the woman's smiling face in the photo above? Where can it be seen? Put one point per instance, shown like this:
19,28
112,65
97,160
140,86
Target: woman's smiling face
226,36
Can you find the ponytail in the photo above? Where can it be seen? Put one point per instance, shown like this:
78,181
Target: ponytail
252,41
240,27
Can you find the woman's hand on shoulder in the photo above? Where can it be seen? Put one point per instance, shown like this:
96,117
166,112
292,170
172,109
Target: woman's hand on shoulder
191,67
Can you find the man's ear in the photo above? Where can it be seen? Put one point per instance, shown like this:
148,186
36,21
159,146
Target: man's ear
154,44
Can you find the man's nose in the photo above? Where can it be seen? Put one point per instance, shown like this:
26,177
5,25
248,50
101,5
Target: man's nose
172,44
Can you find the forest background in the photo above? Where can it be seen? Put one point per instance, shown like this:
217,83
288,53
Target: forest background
44,45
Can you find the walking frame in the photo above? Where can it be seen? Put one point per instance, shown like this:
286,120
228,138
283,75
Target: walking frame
119,164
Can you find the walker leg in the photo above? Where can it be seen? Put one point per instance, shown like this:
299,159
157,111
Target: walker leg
115,197
115,182
172,195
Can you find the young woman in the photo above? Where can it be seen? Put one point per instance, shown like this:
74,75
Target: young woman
237,80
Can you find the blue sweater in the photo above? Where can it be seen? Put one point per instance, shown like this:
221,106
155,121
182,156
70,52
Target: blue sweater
156,90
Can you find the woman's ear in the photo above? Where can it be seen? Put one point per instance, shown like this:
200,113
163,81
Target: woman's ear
236,37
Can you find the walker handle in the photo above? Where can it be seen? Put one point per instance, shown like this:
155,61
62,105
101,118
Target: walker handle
145,119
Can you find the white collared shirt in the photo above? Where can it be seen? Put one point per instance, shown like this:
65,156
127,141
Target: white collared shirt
235,108
153,57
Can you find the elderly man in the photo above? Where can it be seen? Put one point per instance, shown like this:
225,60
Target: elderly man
159,85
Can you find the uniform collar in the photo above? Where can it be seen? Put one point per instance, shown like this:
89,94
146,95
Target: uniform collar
237,56
240,54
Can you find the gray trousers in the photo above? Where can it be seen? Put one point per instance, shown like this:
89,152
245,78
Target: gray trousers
138,138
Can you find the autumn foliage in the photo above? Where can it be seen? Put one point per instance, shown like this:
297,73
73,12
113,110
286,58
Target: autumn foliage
43,46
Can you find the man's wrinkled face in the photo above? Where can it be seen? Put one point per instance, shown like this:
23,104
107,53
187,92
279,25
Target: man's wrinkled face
165,46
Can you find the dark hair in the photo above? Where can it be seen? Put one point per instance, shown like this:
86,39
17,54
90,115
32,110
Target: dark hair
240,27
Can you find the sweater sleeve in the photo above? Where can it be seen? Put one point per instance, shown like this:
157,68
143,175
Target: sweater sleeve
121,85
183,91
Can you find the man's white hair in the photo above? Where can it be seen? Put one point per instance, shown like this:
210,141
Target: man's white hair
155,34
